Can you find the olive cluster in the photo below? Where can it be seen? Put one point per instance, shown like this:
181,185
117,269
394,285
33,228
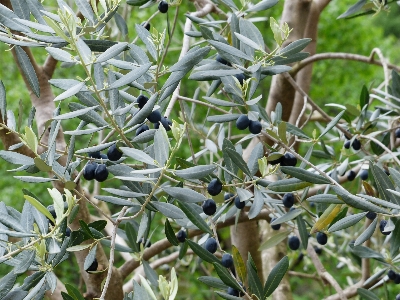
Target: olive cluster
154,117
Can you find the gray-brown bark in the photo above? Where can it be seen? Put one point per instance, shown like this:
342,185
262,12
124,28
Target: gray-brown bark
295,13
270,258
304,76
246,238
44,111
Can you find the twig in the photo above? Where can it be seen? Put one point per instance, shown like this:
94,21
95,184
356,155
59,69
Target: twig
378,52
323,273
305,275
290,79
112,248
303,110
381,145
342,56
94,205
170,38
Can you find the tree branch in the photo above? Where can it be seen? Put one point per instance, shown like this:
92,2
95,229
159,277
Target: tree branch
324,274
312,103
112,247
305,75
342,56
164,244
351,291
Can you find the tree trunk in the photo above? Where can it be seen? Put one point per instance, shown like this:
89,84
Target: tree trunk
246,238
270,258
295,13
304,76
44,111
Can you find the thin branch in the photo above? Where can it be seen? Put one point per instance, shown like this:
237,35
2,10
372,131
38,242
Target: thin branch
112,249
351,291
341,56
378,52
118,240
323,273
365,262
383,147
304,275
290,79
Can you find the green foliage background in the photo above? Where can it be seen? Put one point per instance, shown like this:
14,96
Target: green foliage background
333,81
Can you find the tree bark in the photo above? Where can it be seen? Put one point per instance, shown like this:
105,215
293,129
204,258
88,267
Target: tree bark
44,111
270,258
304,76
246,238
295,13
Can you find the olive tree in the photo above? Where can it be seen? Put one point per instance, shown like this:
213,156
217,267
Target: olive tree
190,144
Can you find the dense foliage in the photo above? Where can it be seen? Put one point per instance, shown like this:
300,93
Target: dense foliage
165,166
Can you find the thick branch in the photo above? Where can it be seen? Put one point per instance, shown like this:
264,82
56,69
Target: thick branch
295,12
8,139
303,79
164,244
44,111
270,258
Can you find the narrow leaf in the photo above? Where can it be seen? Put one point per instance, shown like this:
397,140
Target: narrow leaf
305,175
27,69
170,234
332,123
288,185
184,194
168,210
275,277
367,233
238,161
347,222
240,267
226,277
274,240
138,155
39,206
75,113
196,172
203,253
130,77
112,52
194,217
